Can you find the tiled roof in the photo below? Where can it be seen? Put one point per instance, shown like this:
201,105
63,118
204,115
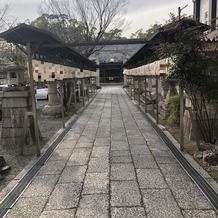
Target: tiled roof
205,39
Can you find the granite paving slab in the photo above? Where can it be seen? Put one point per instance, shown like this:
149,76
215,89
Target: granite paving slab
28,207
98,165
120,153
100,152
199,213
61,154
142,161
119,145
118,136
64,196
125,194
53,167
73,174
100,142
121,159
96,183
122,171
151,178
41,186
69,213
93,206
128,212
159,203
140,149
67,144
80,156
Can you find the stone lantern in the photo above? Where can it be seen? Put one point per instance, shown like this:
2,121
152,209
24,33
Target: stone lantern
16,101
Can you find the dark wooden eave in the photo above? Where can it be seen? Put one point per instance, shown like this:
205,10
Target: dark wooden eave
41,42
147,52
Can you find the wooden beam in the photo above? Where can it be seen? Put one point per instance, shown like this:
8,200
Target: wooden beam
32,90
146,108
157,101
138,90
62,104
74,92
181,137
83,92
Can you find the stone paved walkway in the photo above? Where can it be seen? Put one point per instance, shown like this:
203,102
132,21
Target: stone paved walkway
112,164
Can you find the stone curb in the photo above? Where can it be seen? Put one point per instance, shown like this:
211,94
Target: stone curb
188,157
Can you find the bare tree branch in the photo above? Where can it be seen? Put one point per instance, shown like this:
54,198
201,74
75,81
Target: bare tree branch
98,19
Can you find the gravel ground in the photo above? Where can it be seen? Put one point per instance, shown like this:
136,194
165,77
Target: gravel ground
48,127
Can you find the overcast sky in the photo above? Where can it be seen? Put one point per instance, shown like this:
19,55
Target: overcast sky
141,13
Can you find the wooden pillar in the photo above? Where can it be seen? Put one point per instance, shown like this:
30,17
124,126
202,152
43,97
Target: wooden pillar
74,93
83,92
88,81
124,80
157,100
138,91
104,76
134,88
150,84
91,81
53,99
146,108
181,95
96,85
131,85
62,104
32,90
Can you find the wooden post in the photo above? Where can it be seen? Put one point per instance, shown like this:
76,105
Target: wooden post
71,94
146,108
26,117
91,87
194,125
134,88
83,92
88,88
62,104
131,85
157,101
32,90
181,95
138,91
74,92
95,85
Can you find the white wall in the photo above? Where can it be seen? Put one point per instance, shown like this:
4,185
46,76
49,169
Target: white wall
217,9
205,7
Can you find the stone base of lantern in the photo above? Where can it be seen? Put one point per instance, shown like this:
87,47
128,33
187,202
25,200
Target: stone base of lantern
16,101
52,110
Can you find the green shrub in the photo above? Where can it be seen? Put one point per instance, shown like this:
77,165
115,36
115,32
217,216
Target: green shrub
174,109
